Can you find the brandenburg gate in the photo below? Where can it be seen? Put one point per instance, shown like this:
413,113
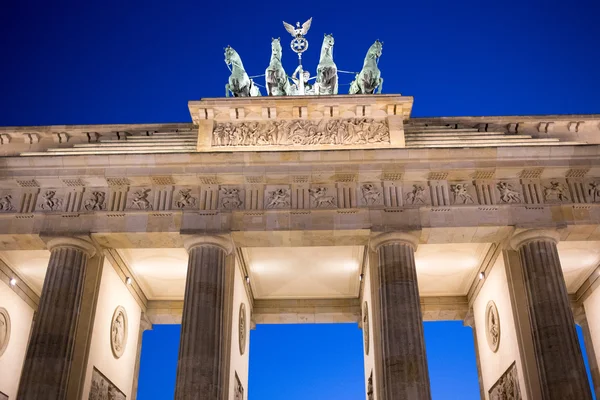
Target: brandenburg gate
299,209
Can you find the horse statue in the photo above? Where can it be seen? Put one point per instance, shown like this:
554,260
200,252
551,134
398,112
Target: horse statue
369,78
239,82
327,78
277,82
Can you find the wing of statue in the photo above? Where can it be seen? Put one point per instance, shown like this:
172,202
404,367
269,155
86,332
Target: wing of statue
290,28
306,26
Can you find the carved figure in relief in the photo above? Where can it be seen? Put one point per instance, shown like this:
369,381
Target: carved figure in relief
370,392
370,193
507,387
321,199
140,200
508,194
493,327
230,198
279,198
460,193
556,191
96,202
276,80
4,330
594,191
302,132
50,202
416,195
118,332
327,77
185,199
369,77
6,203
239,389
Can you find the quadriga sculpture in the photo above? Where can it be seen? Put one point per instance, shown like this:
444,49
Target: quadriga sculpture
369,78
239,82
277,82
327,76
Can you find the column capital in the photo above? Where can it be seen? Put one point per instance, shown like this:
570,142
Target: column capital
222,241
529,235
71,242
394,237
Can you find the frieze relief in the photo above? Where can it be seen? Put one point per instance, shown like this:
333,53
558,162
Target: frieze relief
104,389
302,132
140,199
278,198
594,191
50,201
96,201
6,203
326,195
555,191
508,193
461,193
322,197
507,387
230,198
415,194
371,194
184,199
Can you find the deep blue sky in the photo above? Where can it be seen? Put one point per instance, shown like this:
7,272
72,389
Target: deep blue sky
123,61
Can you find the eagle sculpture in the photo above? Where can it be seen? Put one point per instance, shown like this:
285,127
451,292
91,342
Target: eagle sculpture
298,31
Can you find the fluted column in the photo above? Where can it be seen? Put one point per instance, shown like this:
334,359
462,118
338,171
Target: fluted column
200,366
557,352
404,361
50,351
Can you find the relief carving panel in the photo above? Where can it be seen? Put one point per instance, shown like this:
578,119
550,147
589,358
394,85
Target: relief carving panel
302,132
507,387
6,203
4,329
242,328
118,332
492,326
103,389
238,393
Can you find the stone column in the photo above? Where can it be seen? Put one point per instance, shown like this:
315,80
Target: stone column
403,357
51,346
200,373
558,355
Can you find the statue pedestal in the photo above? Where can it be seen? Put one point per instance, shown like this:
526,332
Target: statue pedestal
301,122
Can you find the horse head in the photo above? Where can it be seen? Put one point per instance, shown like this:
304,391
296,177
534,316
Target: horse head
328,41
376,49
229,55
276,48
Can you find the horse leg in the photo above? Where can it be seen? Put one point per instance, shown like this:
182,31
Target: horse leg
227,89
380,85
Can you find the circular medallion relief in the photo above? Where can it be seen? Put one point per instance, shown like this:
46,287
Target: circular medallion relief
365,324
4,329
242,328
492,326
118,332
